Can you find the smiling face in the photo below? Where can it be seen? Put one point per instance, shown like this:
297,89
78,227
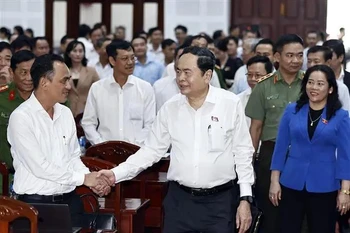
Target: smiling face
190,79
58,87
317,88
21,76
124,62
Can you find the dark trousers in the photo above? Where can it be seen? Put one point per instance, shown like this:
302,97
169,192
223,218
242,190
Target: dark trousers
74,202
270,220
320,210
206,214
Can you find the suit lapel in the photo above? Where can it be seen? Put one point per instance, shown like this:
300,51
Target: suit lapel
303,120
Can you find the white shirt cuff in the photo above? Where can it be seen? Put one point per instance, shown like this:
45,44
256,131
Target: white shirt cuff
78,178
120,174
245,190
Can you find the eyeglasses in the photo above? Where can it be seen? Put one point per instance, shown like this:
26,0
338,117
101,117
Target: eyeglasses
127,58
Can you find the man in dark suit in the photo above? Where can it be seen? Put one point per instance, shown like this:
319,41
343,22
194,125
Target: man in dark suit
337,62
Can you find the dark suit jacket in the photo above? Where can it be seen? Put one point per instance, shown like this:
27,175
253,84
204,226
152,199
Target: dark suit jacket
320,163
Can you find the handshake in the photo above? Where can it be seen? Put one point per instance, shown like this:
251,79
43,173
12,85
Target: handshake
100,182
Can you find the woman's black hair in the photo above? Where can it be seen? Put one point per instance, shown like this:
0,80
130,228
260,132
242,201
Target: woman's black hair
333,102
72,45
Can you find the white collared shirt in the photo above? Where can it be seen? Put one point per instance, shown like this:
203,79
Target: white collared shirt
45,151
115,113
344,96
244,96
208,145
342,74
157,54
103,72
93,57
164,90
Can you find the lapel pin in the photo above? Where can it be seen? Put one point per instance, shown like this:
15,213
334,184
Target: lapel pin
214,119
324,121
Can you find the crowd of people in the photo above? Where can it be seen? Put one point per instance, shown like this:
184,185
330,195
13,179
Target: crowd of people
247,120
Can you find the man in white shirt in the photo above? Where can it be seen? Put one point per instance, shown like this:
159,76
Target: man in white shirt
102,67
166,88
120,107
322,55
257,67
44,145
154,48
210,143
311,40
91,53
264,47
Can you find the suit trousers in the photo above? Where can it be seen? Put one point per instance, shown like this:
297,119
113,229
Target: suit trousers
270,220
320,210
184,212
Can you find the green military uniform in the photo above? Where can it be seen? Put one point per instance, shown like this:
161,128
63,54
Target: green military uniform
9,101
222,81
267,103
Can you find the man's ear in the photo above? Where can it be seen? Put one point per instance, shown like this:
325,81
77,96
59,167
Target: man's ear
277,57
208,75
111,61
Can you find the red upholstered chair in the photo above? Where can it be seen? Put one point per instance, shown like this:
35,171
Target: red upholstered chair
10,209
129,212
4,172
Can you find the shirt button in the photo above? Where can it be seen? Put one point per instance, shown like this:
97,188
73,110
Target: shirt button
290,86
289,102
273,106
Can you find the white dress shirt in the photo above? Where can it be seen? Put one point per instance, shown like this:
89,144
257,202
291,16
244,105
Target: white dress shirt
157,54
208,145
344,96
45,151
244,96
103,72
240,83
87,44
342,74
115,113
164,90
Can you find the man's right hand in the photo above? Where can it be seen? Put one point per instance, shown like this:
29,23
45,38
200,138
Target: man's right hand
108,174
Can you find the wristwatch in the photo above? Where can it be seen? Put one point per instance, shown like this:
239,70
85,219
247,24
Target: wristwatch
249,199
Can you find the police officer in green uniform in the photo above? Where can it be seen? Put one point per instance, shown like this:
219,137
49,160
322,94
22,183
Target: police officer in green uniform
265,107
11,96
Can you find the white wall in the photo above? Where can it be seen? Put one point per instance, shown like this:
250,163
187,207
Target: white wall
27,13
197,15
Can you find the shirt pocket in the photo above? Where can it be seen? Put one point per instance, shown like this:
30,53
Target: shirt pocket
274,111
216,138
136,111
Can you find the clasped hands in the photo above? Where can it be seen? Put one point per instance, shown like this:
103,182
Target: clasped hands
100,182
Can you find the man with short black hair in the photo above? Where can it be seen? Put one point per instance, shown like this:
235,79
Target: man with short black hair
5,62
265,107
12,95
44,145
65,40
102,66
168,48
155,36
92,54
180,34
22,42
210,145
311,41
40,46
146,66
337,62
121,107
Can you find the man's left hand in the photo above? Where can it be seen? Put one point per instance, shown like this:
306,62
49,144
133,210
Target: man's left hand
243,217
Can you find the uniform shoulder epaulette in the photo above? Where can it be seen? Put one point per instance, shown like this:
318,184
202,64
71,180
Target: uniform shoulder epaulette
265,77
217,67
4,88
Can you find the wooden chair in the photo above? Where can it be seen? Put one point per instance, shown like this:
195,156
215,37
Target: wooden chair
10,209
129,212
149,184
5,173
112,151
